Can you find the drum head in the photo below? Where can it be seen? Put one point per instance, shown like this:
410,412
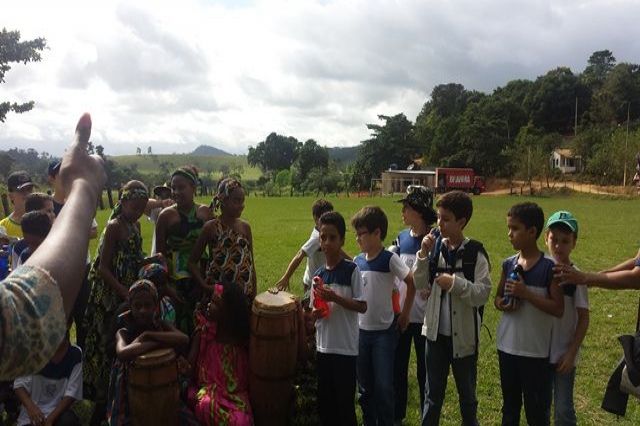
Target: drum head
274,303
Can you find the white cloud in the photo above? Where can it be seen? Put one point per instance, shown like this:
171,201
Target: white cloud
177,74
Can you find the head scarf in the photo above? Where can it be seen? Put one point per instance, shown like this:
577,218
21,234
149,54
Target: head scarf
143,285
152,270
225,188
128,194
186,173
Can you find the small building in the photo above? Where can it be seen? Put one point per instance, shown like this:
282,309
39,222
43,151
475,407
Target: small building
564,160
398,180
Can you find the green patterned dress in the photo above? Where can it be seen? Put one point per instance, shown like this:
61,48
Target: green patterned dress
101,311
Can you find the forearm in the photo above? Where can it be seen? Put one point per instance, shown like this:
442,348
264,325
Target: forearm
63,406
624,266
293,265
618,280
408,300
63,251
135,349
24,398
581,329
545,304
194,270
352,304
169,338
111,281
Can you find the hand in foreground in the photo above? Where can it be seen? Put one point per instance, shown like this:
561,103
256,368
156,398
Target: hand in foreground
567,274
325,293
78,167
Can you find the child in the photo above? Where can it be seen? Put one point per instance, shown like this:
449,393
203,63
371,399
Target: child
48,395
19,185
311,250
219,353
113,271
33,202
570,329
418,215
337,333
453,314
142,331
378,325
156,271
35,228
529,304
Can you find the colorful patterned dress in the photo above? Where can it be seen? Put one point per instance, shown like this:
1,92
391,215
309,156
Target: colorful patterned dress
101,311
221,393
231,259
181,238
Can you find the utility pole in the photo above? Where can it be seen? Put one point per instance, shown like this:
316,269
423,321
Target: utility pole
626,142
575,122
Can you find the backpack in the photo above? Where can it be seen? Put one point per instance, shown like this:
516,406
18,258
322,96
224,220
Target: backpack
469,255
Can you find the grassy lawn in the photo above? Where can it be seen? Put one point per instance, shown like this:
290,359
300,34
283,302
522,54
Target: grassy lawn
608,235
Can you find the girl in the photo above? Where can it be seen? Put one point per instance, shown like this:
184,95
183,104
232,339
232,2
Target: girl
177,230
142,331
219,353
230,243
156,271
419,215
114,269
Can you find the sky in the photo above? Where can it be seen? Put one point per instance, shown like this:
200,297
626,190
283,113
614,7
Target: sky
174,75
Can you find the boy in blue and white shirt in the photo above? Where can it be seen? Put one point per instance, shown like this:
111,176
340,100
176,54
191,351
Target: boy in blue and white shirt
337,333
379,328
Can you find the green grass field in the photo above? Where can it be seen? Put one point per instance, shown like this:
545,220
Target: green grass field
608,235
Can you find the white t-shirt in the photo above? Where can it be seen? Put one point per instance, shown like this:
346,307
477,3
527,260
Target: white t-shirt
407,245
52,383
378,282
315,257
527,330
338,333
564,328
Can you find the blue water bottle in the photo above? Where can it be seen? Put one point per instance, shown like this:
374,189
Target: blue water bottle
4,262
513,276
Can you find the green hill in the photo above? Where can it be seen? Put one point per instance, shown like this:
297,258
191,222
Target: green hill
209,151
344,155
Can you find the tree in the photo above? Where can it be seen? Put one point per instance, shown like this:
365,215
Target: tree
599,65
12,50
310,155
275,153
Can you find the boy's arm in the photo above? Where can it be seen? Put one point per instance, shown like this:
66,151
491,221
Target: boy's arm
568,360
624,266
33,411
498,301
127,351
403,319
552,305
352,304
283,283
475,293
617,280
72,393
171,336
421,272
64,404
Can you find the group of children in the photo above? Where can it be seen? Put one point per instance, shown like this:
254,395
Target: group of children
442,281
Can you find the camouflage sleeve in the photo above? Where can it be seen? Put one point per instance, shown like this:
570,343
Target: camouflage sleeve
32,321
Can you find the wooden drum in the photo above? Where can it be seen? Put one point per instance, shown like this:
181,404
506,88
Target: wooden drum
273,354
153,389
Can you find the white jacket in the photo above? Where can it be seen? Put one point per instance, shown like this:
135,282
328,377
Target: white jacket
465,296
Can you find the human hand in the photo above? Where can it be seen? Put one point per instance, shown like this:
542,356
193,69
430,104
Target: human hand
283,284
445,281
567,274
566,362
316,314
35,415
428,241
424,293
506,304
516,288
167,203
325,293
403,322
78,167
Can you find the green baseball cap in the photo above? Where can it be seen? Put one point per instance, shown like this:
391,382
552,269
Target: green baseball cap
565,218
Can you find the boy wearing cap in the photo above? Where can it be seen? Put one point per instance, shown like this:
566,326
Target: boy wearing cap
453,314
419,216
19,185
52,177
569,330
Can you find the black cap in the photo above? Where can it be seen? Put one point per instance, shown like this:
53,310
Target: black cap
420,198
53,168
161,189
18,181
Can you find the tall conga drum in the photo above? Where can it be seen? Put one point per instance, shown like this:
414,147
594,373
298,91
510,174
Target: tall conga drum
273,352
153,389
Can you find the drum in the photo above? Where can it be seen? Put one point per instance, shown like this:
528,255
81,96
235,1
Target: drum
153,389
273,350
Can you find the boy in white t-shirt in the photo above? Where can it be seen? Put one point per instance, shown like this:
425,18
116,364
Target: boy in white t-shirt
48,395
570,329
337,333
379,327
311,250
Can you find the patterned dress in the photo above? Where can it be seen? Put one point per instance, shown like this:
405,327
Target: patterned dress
103,304
221,393
231,259
181,238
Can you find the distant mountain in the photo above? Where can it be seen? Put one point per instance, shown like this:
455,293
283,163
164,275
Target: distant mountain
344,155
208,150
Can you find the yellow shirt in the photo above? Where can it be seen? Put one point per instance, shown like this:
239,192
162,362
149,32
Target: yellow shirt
13,229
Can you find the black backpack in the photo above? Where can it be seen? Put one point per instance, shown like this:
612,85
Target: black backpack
469,254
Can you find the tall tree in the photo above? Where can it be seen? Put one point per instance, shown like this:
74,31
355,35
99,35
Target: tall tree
12,50
311,155
598,67
275,153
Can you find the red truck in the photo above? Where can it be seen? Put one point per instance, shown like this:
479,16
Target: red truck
449,178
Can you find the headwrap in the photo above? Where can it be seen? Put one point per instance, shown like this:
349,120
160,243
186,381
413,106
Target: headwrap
128,194
143,285
152,270
225,188
186,173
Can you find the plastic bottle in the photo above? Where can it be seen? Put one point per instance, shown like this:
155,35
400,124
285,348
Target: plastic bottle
4,262
513,276
319,303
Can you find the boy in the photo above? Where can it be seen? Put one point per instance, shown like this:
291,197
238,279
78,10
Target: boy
33,202
453,315
378,325
48,395
524,332
311,250
569,330
337,333
19,185
35,227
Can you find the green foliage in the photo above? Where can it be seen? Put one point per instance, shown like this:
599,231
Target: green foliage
12,50
275,153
